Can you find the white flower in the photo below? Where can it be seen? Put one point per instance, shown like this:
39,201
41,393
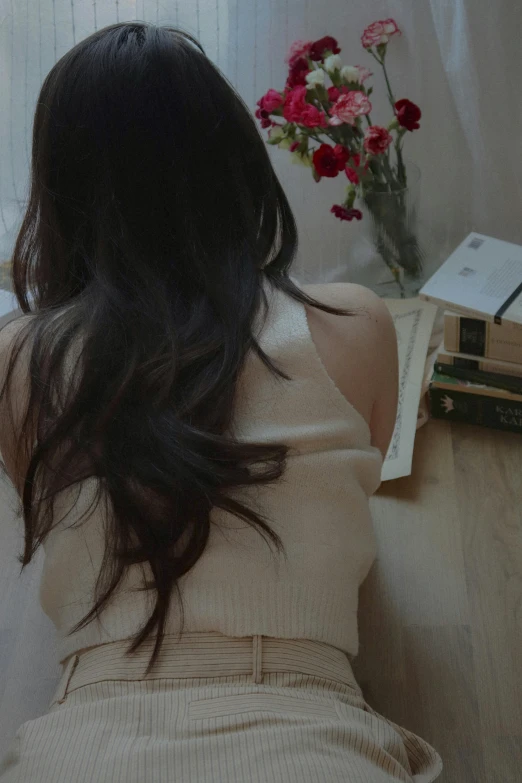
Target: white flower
314,78
276,134
333,63
350,73
303,159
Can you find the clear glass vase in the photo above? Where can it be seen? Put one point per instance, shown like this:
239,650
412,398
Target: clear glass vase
388,256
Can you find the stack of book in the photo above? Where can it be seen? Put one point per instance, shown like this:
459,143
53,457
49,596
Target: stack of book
477,375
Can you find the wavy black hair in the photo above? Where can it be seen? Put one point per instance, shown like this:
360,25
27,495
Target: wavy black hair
154,216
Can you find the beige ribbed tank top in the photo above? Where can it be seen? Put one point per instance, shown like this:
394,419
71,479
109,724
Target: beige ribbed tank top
240,586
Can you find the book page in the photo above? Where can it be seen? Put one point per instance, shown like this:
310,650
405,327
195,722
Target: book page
413,320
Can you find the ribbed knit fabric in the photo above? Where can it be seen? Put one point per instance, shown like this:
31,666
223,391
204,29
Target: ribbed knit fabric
240,587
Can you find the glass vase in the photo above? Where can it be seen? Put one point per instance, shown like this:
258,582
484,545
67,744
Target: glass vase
390,256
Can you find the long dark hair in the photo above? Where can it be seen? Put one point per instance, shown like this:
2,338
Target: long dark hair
154,217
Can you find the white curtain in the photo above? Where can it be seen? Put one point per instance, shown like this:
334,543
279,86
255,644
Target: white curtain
460,60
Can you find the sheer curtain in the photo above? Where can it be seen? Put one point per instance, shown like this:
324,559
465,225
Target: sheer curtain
460,60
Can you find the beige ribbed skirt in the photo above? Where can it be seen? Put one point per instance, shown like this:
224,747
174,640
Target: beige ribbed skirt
214,710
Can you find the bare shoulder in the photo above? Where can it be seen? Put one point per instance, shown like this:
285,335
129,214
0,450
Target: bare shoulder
359,352
372,318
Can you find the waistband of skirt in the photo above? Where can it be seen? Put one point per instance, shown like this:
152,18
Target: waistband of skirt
204,654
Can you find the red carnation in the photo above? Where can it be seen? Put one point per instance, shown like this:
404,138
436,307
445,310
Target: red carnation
326,44
352,175
264,118
346,214
297,73
342,155
326,162
408,114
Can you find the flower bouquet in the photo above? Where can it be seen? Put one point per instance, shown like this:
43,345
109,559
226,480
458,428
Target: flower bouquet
323,117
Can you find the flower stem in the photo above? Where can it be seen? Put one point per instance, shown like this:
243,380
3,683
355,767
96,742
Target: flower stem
388,85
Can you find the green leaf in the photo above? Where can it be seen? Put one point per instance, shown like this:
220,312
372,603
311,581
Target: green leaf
315,175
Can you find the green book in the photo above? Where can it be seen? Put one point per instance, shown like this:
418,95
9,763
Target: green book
454,399
496,380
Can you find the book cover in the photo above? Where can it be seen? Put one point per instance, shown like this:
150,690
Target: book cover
441,381
508,382
482,279
478,337
462,401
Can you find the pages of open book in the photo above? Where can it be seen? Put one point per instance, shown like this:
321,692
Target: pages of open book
414,320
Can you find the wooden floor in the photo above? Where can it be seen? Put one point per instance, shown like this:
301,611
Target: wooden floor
441,611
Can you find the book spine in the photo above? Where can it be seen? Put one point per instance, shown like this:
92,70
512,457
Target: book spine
477,337
508,382
475,409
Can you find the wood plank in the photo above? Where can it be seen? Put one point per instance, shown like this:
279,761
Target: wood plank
441,611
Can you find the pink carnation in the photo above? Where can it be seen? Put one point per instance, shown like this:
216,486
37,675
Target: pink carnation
364,73
349,106
297,110
379,33
271,101
295,104
313,118
297,50
377,140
